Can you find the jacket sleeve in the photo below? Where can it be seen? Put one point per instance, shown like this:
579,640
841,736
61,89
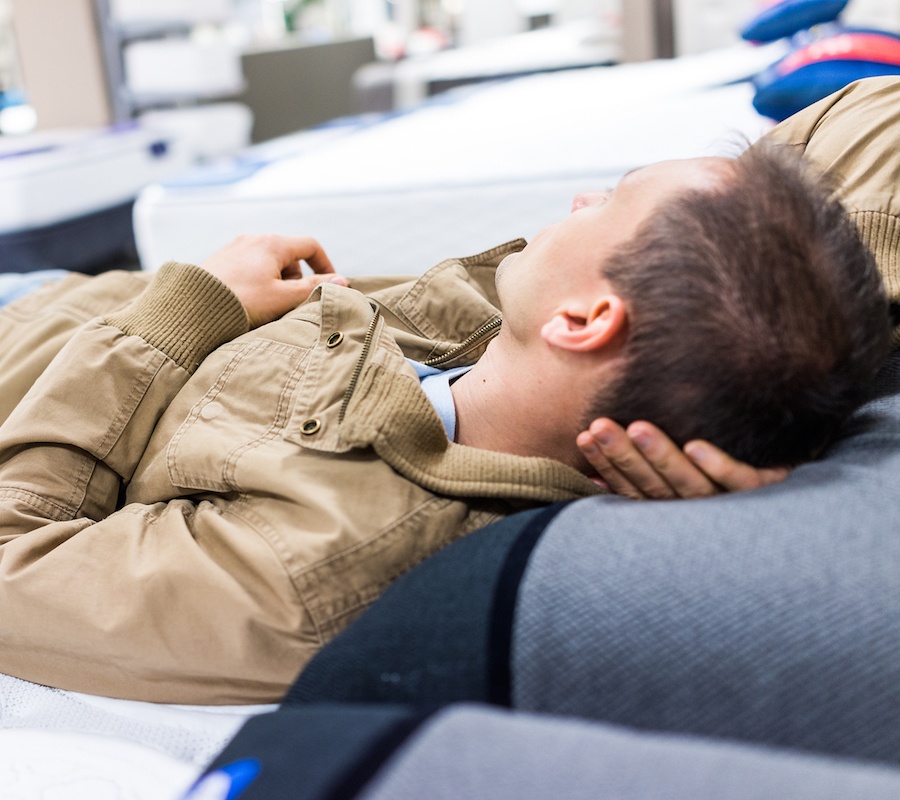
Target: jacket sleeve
851,136
77,435
124,602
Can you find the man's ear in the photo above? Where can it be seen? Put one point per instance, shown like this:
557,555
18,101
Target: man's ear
581,329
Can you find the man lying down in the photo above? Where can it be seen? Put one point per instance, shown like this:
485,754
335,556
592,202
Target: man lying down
219,470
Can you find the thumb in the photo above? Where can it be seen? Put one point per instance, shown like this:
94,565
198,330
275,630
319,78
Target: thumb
310,282
300,290
304,286
281,296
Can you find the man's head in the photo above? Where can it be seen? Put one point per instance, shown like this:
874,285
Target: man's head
723,299
755,318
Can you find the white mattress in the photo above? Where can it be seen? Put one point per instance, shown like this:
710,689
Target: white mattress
463,172
57,745
54,176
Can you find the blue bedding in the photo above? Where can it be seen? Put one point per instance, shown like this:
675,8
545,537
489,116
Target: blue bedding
14,285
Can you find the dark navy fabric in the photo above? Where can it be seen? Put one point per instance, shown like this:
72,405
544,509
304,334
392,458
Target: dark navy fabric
90,244
311,753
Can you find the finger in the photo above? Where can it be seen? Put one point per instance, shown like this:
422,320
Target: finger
278,297
771,475
290,250
307,249
606,472
668,461
300,290
627,461
319,262
340,280
292,271
731,474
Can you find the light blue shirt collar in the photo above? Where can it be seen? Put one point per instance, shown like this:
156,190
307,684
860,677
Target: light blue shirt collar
436,385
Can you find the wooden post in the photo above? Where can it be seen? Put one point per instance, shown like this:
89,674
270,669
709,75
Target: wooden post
647,30
61,55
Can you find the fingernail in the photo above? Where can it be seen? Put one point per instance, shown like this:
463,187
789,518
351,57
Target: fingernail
338,279
642,440
604,438
696,451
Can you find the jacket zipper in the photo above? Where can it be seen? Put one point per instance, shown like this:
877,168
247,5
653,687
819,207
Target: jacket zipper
357,370
466,344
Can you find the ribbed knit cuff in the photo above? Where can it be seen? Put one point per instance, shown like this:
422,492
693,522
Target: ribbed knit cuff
881,234
185,312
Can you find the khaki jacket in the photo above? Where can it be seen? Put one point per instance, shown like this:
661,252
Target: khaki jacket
189,510
851,136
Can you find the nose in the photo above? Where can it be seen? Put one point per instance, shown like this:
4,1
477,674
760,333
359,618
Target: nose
585,199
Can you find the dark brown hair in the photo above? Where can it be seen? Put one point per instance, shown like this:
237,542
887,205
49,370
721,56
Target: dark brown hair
757,317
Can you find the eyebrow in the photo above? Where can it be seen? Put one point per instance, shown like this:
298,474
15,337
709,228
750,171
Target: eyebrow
631,172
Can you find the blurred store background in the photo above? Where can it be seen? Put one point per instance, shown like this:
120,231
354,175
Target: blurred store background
102,98
296,63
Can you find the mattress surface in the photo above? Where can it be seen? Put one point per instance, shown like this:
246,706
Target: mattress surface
462,172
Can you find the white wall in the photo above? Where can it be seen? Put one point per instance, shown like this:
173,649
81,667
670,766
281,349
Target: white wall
702,25
485,19
879,14
578,9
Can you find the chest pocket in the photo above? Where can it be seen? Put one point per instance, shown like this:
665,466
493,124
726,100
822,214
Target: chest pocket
245,405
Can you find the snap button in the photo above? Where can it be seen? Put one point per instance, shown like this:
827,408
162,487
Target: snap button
211,410
310,427
334,339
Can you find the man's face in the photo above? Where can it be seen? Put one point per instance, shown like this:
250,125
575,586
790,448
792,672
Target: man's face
566,259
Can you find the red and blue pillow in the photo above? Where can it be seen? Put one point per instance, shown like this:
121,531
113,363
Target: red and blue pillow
822,66
825,56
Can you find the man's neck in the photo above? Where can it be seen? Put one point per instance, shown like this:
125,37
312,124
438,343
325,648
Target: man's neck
511,406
